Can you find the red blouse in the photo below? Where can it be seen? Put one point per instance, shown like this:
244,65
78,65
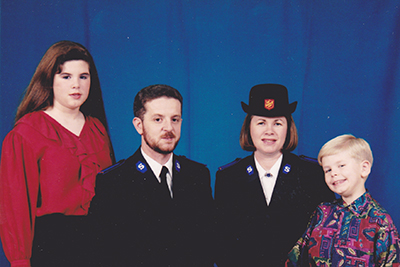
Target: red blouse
46,169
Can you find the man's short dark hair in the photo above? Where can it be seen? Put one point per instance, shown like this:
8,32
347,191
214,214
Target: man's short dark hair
152,92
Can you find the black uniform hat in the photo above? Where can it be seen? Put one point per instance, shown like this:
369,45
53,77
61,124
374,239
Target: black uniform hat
269,100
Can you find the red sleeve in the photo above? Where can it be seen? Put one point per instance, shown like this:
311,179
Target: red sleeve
105,137
19,184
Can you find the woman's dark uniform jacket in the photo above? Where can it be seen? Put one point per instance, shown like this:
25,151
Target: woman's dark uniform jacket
250,232
135,226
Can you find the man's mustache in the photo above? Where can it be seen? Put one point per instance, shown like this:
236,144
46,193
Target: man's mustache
168,135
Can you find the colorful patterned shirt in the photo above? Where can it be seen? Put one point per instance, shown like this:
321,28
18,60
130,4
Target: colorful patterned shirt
359,234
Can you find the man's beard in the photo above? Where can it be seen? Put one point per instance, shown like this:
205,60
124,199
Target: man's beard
153,144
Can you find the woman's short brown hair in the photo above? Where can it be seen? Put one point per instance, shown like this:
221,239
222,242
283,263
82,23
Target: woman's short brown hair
291,136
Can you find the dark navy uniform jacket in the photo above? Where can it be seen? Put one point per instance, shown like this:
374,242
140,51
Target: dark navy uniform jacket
135,226
250,232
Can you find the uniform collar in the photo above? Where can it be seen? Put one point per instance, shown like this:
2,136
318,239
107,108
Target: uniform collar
155,166
274,170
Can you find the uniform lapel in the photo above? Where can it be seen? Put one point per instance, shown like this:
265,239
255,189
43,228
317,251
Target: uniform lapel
177,176
254,189
285,182
144,175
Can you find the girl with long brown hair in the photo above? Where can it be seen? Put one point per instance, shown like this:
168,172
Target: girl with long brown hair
50,160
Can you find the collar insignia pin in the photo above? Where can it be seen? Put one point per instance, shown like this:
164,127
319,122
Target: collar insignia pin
249,170
286,168
177,166
140,166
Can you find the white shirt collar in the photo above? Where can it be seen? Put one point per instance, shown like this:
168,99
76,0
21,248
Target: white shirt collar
155,166
274,170
268,183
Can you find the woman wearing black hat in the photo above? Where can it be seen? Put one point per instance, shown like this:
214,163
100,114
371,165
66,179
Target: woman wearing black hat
265,200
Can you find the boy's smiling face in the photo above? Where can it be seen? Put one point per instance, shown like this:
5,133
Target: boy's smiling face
346,175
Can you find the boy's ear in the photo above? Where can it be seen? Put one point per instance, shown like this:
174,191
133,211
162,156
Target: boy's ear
137,122
365,169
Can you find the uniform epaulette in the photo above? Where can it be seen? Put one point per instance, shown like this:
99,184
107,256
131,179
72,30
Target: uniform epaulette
112,167
182,156
229,164
308,159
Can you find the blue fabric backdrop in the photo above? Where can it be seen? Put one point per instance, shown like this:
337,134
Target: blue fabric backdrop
339,60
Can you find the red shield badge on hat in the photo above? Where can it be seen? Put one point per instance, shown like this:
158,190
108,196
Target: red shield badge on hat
269,104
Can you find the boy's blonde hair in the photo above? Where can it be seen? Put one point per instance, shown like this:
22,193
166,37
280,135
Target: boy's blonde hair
358,148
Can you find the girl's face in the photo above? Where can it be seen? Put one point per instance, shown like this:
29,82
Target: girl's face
268,134
71,86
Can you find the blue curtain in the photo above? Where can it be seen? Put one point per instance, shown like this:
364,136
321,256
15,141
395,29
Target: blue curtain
338,59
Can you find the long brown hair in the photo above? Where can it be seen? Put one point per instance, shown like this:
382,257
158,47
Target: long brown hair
39,94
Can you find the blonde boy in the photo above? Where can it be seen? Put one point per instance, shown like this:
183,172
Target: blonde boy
352,231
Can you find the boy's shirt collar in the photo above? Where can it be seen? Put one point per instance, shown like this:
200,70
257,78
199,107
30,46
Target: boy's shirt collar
358,206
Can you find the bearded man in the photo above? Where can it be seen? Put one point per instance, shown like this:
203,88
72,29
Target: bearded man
154,208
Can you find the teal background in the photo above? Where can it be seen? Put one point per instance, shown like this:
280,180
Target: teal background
338,59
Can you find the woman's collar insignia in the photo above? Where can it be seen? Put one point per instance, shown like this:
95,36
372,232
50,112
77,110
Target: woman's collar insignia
286,168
